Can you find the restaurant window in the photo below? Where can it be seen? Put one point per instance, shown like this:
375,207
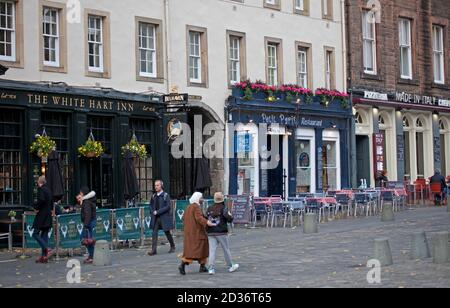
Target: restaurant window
147,50
246,163
407,142
405,48
57,127
438,54
303,166
11,160
329,160
143,129
369,43
330,75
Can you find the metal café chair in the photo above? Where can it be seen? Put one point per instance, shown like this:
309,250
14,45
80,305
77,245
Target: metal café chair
297,208
364,202
387,197
278,210
343,202
313,206
260,210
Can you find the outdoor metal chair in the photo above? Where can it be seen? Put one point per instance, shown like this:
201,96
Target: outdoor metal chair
343,202
312,206
6,236
388,197
260,210
297,208
363,201
278,210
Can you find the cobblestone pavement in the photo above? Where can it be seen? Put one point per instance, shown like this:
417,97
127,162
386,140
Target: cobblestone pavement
336,257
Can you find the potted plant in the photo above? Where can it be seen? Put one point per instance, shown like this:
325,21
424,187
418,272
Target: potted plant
42,146
12,215
91,149
137,149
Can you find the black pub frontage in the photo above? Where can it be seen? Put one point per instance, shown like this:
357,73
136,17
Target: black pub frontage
69,115
311,139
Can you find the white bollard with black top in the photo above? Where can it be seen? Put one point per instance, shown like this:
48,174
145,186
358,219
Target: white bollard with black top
419,246
441,248
102,254
382,252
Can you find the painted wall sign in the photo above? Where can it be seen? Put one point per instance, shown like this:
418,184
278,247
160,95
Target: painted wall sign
376,96
290,120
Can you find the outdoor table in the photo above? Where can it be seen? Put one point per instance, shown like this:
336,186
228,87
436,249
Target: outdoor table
9,222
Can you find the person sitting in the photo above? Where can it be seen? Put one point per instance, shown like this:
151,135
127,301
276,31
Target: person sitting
382,179
438,178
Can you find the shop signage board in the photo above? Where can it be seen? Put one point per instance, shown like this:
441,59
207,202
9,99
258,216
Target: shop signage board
30,242
241,209
128,222
70,230
378,146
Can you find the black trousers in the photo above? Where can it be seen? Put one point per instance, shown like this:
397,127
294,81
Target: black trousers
156,228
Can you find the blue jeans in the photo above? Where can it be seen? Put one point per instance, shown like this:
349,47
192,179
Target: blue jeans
41,236
88,232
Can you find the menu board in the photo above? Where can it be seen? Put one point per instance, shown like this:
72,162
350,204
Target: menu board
241,210
378,147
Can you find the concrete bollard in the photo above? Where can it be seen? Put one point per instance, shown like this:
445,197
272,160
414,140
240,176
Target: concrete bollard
448,204
310,225
382,252
388,213
419,246
102,254
441,247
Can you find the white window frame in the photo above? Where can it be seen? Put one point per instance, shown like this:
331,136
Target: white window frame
56,36
300,5
333,136
272,64
368,30
438,51
148,50
325,8
234,59
271,2
405,42
302,57
11,58
95,69
195,57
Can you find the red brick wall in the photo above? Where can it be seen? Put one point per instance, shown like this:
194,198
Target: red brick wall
424,13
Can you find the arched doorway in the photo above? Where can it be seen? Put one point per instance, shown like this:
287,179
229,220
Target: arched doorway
363,162
444,133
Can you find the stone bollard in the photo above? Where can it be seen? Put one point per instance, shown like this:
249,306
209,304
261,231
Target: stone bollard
310,225
419,246
102,254
382,252
441,248
388,213
448,204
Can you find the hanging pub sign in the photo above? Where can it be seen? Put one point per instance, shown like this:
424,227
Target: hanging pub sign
174,98
378,147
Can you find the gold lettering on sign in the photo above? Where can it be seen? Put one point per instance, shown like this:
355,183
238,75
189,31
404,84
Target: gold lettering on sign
8,96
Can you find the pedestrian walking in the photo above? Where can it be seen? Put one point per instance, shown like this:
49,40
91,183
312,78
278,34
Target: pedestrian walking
218,235
43,221
195,238
88,202
162,219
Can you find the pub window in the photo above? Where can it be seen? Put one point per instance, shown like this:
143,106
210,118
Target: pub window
7,31
98,44
57,127
143,129
197,56
51,34
11,160
147,49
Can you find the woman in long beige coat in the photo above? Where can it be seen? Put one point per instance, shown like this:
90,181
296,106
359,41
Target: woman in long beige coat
196,246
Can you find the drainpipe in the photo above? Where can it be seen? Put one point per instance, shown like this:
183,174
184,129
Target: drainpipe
168,52
344,45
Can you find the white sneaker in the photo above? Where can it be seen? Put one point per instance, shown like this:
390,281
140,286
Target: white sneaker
233,268
211,271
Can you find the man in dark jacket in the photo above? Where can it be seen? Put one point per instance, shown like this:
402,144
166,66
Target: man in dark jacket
89,220
219,215
438,178
43,222
161,208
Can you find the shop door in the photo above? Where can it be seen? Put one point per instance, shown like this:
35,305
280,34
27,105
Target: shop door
100,170
363,159
276,176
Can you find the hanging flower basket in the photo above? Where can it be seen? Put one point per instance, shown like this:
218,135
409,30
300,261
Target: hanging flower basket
92,148
42,146
137,149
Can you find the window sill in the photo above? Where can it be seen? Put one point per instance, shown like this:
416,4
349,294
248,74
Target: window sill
301,12
276,7
104,75
440,86
327,17
368,76
197,85
11,64
410,82
54,69
150,79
